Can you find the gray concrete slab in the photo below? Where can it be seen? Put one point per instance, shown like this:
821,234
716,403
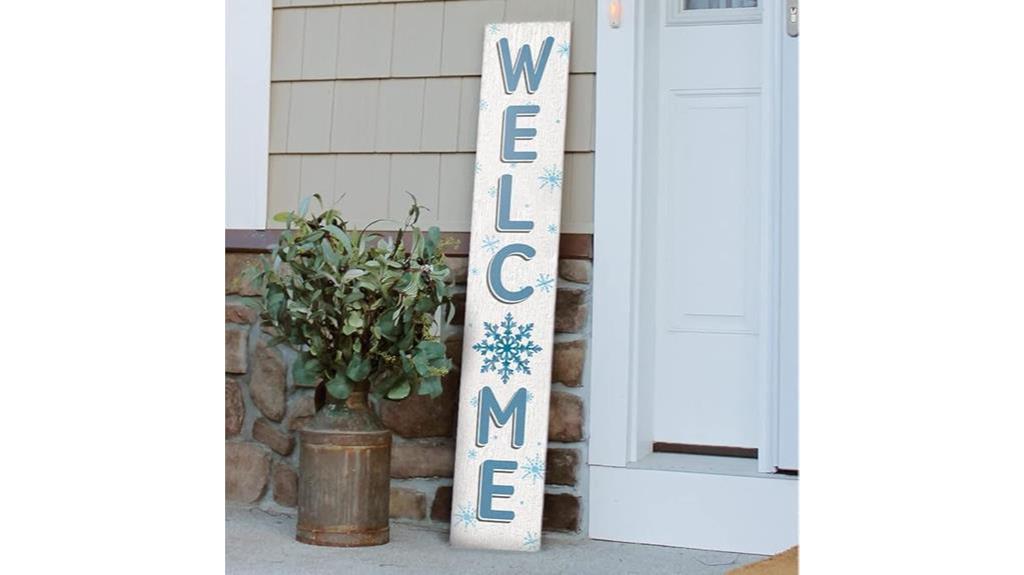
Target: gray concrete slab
264,542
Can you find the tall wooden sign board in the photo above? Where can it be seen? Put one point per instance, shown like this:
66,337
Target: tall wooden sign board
501,448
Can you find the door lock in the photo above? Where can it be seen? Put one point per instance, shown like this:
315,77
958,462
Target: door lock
793,18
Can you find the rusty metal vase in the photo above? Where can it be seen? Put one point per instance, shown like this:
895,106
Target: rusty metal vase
344,476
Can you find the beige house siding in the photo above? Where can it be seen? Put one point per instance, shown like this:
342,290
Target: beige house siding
350,81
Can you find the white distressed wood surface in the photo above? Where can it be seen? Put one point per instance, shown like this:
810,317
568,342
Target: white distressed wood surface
535,196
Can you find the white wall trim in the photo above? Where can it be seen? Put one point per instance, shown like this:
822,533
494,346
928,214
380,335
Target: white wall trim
613,358
247,112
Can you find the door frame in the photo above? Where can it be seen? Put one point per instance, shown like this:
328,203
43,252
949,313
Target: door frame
619,445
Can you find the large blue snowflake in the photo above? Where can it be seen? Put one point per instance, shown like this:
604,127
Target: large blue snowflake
506,348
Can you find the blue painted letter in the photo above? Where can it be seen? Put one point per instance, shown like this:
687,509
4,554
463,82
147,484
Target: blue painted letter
494,273
510,133
489,409
524,59
489,491
504,223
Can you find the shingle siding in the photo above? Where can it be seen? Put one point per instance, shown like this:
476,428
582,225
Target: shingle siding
370,99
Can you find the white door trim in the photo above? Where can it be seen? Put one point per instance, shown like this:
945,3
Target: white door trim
247,113
616,434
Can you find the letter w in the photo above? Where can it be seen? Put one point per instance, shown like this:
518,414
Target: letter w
524,62
489,409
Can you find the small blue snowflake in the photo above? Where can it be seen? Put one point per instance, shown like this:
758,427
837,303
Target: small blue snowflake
533,469
475,271
552,178
529,396
465,516
563,49
506,348
471,454
476,167
483,104
530,541
490,243
552,229
492,191
545,283
474,401
493,29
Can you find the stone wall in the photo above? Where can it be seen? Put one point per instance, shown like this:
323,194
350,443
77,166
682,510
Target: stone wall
264,408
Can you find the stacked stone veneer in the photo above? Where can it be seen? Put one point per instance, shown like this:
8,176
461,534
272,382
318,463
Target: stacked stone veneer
264,409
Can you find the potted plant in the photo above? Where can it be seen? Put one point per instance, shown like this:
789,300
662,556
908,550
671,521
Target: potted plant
363,313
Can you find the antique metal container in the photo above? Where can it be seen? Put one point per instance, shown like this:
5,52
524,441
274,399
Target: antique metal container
344,476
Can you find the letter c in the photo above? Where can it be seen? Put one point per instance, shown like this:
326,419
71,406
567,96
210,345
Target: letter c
498,290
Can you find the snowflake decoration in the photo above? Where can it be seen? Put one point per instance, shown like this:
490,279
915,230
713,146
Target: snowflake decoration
552,229
534,469
493,29
474,401
552,178
483,104
545,283
531,541
475,271
465,516
471,454
476,167
490,244
529,396
492,191
563,49
506,348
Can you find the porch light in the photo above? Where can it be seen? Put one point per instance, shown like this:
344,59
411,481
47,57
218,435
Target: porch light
614,13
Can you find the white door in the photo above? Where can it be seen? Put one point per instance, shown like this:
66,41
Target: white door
705,233
702,329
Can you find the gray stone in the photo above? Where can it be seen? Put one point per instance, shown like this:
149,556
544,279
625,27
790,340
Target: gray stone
234,408
268,384
246,469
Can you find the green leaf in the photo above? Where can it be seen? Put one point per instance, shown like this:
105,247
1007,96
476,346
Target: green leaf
358,368
355,319
304,371
329,254
431,386
340,235
400,391
281,216
432,349
352,274
339,386
304,206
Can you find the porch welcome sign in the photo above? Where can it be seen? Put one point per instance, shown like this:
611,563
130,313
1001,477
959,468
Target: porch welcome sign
501,447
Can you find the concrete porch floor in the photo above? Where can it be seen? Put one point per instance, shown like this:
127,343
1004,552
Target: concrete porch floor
264,542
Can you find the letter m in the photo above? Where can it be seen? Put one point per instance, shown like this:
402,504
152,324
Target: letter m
488,410
524,63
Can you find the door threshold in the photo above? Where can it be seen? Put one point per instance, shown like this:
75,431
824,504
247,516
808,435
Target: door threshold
699,508
709,464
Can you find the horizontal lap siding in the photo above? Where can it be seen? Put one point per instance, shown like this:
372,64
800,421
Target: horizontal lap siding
370,100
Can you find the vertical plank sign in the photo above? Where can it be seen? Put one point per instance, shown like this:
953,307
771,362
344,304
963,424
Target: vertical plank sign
500,451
